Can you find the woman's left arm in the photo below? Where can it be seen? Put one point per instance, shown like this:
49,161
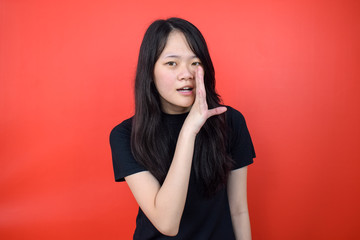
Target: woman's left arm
237,194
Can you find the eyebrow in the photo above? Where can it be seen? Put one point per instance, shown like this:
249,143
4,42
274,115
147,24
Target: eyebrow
178,56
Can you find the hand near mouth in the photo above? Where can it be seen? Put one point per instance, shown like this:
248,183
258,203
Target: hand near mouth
200,112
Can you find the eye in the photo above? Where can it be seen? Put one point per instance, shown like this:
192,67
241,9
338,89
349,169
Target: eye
196,64
171,63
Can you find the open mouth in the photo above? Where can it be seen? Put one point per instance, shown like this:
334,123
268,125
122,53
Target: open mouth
185,89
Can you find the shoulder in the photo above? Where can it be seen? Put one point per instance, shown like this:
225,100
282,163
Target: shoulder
234,117
240,144
124,163
121,130
236,125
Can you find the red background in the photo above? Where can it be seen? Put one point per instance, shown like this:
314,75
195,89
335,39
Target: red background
66,77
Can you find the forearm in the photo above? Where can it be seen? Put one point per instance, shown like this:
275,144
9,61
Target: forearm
164,204
241,225
237,193
170,199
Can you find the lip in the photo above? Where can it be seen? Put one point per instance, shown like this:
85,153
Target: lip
186,92
186,86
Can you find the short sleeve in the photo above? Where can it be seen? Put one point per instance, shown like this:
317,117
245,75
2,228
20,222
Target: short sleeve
241,147
124,163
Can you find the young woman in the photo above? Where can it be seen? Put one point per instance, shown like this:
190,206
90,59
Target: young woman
183,155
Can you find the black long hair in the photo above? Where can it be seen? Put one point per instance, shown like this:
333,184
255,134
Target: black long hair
148,137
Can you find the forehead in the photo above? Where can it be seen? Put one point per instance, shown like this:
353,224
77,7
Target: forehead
177,45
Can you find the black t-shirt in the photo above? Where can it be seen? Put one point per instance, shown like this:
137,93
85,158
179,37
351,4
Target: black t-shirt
203,218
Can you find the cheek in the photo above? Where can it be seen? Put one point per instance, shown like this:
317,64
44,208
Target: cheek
163,81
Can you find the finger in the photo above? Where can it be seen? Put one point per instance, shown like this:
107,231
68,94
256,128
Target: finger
216,111
200,88
200,78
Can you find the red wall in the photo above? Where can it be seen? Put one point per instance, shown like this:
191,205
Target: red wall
66,77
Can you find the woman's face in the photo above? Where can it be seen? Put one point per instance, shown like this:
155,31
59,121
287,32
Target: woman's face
174,75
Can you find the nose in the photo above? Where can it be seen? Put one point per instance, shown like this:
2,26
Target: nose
186,73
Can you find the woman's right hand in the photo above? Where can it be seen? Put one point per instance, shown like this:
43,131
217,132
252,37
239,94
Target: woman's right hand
200,112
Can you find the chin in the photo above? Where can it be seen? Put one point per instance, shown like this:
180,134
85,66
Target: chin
187,106
184,107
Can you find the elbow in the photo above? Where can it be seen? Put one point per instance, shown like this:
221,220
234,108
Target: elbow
170,233
238,213
166,223
168,229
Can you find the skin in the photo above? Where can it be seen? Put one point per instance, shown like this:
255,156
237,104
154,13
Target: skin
175,69
164,204
237,194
